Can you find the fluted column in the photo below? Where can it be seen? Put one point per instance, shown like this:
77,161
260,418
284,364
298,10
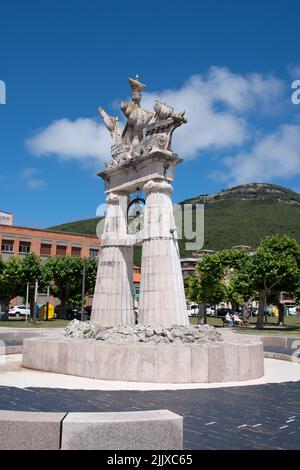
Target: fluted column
162,297
113,297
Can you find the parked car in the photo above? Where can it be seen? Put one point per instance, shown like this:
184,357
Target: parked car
192,310
69,312
210,311
19,311
291,310
222,312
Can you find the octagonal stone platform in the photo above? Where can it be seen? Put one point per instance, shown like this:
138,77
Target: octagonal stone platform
163,363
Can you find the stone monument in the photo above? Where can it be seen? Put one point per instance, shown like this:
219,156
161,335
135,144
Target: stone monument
161,347
142,160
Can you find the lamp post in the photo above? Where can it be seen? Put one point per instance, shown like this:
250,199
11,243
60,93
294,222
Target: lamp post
35,301
83,289
27,301
47,303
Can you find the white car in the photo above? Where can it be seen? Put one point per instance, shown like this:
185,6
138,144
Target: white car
292,310
192,310
19,311
210,311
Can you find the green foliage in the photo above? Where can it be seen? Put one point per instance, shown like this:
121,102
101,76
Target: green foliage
274,267
11,279
1,265
91,266
207,283
86,227
275,264
31,269
65,275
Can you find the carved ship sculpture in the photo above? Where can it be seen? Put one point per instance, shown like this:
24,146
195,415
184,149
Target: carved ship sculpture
145,132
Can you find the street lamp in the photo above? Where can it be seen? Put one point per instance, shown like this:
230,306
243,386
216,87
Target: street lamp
83,289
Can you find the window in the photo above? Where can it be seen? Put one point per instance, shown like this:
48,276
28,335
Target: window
24,247
94,253
45,249
76,251
7,246
61,250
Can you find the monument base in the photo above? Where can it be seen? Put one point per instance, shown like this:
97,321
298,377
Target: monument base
163,363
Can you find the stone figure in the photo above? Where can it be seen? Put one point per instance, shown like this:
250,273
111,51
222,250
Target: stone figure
145,131
111,123
137,118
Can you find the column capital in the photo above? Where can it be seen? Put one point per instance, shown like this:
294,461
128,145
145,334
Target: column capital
158,186
112,198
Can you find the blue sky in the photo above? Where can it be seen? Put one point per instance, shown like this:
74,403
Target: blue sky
229,64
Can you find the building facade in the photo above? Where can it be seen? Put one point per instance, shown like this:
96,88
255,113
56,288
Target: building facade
17,241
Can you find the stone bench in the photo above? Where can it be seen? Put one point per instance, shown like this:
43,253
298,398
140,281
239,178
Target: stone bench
134,430
141,430
23,430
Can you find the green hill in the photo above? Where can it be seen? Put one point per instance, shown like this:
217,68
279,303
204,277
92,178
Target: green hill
86,226
241,215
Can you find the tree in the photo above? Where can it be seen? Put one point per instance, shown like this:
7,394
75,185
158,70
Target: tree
275,266
205,286
64,274
91,267
11,280
213,278
1,265
75,298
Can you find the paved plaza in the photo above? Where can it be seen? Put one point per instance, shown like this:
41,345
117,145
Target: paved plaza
253,417
256,416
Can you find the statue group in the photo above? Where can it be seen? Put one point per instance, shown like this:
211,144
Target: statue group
142,161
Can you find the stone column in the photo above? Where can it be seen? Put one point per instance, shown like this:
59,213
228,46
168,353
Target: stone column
113,297
162,297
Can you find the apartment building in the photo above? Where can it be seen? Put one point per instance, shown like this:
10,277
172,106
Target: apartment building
17,241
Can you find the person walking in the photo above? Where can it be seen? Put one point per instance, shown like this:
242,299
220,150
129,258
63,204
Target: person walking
280,307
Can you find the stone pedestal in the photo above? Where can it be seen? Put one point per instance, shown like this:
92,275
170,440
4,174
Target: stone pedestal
162,297
225,361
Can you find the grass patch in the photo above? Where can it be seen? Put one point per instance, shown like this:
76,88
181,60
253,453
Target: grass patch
39,324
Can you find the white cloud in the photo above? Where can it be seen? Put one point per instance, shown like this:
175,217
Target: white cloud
83,139
31,179
276,155
216,105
